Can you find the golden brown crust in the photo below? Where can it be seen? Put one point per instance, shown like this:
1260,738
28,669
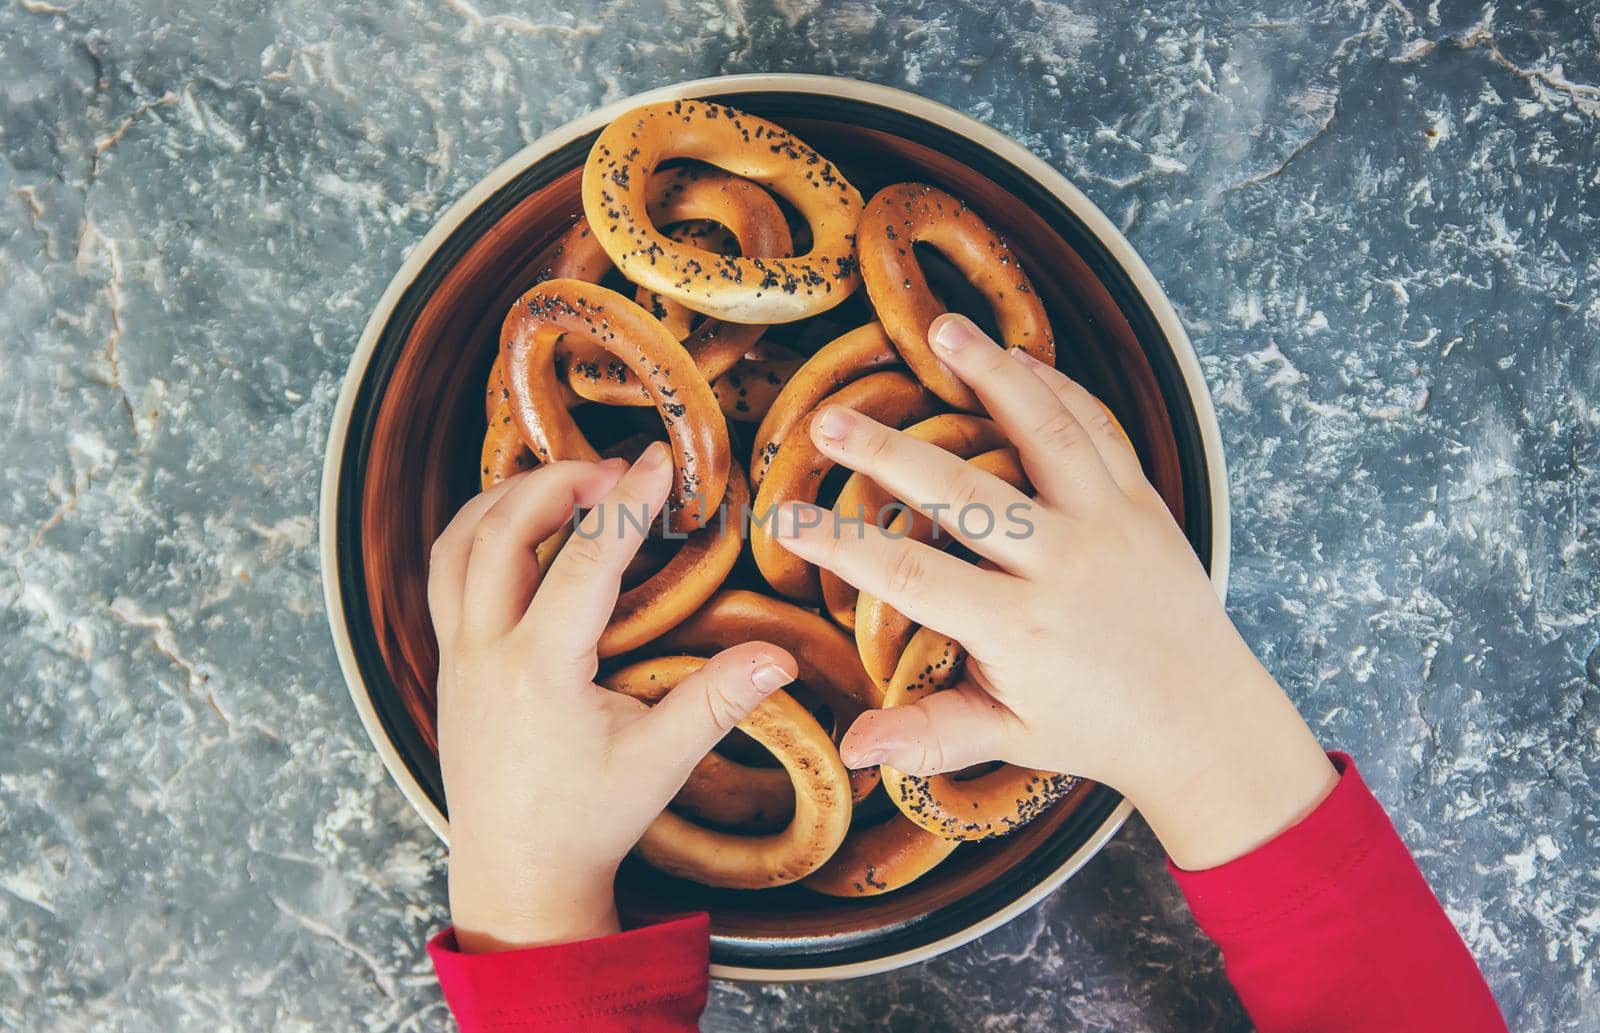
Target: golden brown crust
904,214
992,804
827,658
881,858
722,792
503,455
828,662
748,390
821,818
848,357
688,408
701,233
693,575
756,224
797,472
744,290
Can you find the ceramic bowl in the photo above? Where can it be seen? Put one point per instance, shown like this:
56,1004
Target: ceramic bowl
402,456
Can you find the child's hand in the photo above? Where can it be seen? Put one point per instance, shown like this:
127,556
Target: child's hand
1096,647
550,778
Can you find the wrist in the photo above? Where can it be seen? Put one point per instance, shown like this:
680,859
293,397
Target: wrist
1250,769
496,908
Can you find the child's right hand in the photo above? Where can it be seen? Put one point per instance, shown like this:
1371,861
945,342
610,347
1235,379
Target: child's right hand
1097,647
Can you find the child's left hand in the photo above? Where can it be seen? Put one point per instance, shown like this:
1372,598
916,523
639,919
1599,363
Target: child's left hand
552,779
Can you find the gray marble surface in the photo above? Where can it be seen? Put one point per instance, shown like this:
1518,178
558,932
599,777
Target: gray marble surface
1377,220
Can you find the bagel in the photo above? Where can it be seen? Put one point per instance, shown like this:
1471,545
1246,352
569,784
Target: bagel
719,791
756,223
616,180
702,234
880,858
693,574
905,214
822,808
989,805
847,357
747,391
503,455
797,472
828,662
688,408
882,632
861,498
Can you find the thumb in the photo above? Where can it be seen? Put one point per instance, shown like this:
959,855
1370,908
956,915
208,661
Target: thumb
946,731
706,705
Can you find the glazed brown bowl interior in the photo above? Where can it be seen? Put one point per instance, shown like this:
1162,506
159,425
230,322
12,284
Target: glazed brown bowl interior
412,460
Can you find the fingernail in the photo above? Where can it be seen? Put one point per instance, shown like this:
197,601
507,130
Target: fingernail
770,677
654,457
832,424
790,520
1024,358
955,333
866,759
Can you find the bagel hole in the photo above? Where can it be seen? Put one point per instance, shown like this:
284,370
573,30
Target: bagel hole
967,774
737,746
874,810
647,562
954,290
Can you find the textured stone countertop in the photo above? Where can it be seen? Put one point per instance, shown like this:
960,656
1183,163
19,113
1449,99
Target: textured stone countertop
1376,219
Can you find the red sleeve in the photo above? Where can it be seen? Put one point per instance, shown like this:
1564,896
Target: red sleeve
650,980
1331,927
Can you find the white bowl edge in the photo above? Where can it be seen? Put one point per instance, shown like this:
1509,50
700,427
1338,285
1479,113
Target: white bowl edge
872,93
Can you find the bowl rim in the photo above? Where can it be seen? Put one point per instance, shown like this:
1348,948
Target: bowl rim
1097,223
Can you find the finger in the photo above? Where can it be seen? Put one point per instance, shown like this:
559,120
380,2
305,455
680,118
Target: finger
502,570
971,504
447,560
580,589
1055,448
705,706
1107,435
926,585
946,731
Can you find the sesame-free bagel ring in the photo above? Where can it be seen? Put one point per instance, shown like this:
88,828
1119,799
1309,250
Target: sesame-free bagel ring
822,806
850,356
719,791
695,426
616,183
904,214
881,858
694,574
828,662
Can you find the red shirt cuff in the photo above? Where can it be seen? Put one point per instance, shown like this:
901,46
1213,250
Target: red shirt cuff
1295,867
1331,927
653,978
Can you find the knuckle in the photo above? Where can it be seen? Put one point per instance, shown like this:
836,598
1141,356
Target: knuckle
876,443
1103,425
906,572
965,489
931,759
1060,429
724,711
588,553
490,530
